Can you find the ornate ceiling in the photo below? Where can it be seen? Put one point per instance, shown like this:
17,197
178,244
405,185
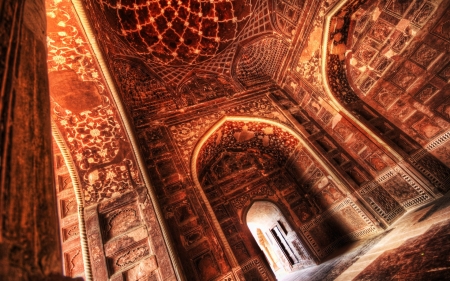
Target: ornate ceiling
174,38
179,32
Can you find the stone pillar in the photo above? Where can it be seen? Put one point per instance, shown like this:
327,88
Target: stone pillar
29,240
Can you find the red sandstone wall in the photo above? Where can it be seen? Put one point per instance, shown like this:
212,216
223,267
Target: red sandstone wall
124,237
29,241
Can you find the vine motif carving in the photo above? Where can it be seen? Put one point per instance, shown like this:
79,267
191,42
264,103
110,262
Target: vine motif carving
109,181
186,134
262,191
93,136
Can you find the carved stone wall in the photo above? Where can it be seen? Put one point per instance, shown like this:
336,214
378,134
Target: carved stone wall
388,63
168,149
67,206
379,80
29,240
355,156
305,84
124,237
256,153
179,67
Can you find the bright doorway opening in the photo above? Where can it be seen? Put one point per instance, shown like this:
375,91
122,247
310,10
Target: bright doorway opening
277,239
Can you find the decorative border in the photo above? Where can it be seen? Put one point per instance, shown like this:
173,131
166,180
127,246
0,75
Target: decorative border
440,140
388,217
415,162
255,263
79,197
367,187
424,197
386,176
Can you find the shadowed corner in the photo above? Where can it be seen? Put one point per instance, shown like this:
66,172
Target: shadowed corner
437,205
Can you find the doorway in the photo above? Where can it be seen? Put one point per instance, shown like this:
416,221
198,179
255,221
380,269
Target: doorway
277,239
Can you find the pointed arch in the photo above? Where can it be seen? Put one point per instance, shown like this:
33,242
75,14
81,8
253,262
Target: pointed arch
234,136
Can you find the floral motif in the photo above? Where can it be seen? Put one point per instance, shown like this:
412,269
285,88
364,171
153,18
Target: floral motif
108,182
67,48
186,134
94,136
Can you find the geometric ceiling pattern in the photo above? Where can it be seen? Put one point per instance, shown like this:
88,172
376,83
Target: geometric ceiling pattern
175,38
177,32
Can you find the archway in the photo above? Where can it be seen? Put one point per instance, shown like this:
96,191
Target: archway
277,238
243,159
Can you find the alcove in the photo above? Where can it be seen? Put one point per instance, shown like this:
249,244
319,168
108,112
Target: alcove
277,238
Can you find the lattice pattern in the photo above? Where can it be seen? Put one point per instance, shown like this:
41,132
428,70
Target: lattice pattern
177,32
221,63
172,75
260,61
259,23
439,141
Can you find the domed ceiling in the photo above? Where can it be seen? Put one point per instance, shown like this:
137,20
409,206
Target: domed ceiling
175,38
177,32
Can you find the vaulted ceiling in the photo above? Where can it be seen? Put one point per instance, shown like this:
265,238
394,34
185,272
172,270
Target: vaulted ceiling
172,40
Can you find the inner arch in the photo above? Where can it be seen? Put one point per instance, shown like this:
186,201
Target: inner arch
244,159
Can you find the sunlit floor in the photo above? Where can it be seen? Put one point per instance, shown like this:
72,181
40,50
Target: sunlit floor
415,247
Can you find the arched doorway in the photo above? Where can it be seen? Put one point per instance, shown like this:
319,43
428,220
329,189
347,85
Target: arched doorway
244,159
277,238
